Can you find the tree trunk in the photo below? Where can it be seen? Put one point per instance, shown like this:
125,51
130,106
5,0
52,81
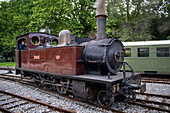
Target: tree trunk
127,9
6,57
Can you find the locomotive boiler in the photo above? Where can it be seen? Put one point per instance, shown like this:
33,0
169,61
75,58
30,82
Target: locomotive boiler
84,67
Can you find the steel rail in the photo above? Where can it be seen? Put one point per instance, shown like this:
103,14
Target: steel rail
154,102
150,81
6,68
156,95
149,106
5,110
160,79
156,79
10,75
38,102
15,79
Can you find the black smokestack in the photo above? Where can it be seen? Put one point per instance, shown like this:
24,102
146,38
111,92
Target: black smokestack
101,15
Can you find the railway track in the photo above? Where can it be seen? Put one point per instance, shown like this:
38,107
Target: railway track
152,104
161,106
27,81
11,101
156,80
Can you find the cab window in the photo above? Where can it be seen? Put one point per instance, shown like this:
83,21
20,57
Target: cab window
22,44
35,40
55,42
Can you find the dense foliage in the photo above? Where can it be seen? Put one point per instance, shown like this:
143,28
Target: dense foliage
131,20
140,19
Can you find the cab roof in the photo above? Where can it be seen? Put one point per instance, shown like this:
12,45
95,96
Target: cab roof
35,34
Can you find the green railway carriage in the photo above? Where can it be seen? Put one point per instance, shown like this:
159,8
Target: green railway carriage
149,56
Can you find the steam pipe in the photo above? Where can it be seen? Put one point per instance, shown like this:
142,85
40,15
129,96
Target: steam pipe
124,71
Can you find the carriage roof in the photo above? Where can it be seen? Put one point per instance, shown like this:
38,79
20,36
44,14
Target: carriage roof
143,43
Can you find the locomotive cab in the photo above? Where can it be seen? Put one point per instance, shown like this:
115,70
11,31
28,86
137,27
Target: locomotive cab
20,50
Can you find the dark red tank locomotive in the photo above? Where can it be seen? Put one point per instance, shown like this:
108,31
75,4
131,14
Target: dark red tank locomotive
84,67
89,69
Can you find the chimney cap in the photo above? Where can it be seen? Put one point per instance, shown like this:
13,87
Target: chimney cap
101,15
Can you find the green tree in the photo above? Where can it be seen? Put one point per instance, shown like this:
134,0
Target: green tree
14,17
130,19
23,16
133,19
56,15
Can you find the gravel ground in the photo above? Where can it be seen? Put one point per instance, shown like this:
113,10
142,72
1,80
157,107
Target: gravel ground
154,88
65,103
53,99
162,89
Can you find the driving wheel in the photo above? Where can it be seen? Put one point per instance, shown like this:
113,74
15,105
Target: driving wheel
36,82
63,88
103,100
48,87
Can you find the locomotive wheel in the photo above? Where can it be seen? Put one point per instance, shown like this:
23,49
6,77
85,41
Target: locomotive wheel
53,86
90,94
63,88
48,87
36,83
103,100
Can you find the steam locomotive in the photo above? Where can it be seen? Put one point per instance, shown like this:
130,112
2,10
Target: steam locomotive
84,67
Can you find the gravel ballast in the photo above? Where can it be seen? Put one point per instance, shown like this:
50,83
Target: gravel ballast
53,99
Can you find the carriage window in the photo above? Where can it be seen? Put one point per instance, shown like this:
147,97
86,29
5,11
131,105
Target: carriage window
55,42
35,40
162,52
127,52
143,52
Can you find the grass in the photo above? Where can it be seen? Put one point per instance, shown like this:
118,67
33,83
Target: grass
9,64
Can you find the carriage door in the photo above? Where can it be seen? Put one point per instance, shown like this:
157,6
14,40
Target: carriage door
21,47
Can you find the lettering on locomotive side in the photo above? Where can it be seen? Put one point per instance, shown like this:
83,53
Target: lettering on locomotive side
36,57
